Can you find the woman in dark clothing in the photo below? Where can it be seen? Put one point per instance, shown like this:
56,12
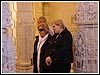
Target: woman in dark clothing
60,55
41,47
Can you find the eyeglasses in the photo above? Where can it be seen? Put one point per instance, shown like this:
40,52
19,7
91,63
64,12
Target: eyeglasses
41,29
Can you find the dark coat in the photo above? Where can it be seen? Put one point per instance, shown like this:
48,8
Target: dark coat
61,50
44,49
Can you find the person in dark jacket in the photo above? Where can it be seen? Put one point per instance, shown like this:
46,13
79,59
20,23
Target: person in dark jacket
60,55
41,47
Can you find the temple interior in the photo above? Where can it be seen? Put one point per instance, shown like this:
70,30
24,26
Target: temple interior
19,28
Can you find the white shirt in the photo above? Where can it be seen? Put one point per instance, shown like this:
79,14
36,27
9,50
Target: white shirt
40,43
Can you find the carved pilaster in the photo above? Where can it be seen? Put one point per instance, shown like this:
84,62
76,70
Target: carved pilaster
8,49
86,38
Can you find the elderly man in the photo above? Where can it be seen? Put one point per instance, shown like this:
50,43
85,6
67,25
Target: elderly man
60,56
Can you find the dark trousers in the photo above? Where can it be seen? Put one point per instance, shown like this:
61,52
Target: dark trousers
60,68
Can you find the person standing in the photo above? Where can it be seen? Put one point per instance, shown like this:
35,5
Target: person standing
41,46
42,19
60,55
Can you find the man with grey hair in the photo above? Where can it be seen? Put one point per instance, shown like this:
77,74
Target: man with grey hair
60,56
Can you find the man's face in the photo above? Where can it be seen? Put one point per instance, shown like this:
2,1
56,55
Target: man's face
56,28
41,21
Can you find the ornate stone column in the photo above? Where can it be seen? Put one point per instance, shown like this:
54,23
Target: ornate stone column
8,49
86,39
25,36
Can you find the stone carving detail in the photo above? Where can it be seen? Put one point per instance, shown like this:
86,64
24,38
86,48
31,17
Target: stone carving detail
8,50
86,39
87,13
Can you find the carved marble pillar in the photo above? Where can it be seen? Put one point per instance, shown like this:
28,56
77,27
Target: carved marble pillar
8,49
25,36
86,38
